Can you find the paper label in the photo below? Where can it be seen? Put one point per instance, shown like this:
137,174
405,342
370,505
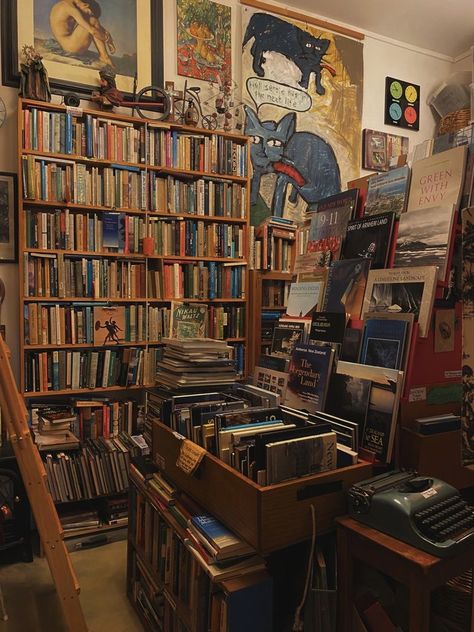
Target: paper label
417,394
74,111
190,455
429,492
449,374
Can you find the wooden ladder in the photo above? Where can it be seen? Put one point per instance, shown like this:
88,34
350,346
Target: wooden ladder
32,470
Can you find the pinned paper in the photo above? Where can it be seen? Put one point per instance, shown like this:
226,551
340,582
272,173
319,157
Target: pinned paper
190,456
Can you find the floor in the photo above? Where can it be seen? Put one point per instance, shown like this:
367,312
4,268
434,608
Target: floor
101,574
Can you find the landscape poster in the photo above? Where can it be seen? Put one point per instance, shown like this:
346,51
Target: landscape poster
424,238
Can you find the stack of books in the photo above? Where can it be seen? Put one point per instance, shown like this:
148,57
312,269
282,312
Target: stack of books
53,430
196,362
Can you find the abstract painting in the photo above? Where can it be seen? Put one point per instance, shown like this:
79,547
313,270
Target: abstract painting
204,40
303,93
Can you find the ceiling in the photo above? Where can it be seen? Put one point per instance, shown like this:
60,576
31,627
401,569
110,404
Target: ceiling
443,26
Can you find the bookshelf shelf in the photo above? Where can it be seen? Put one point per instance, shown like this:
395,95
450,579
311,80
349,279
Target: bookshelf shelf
80,299
83,207
76,533
82,159
195,216
78,391
198,174
80,345
178,258
88,253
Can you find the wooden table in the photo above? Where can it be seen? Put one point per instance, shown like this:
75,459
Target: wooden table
419,571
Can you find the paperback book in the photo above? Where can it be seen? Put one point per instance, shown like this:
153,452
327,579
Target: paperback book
304,298
308,376
286,335
388,192
370,238
327,327
188,321
383,343
345,199
271,380
348,397
424,238
346,286
403,290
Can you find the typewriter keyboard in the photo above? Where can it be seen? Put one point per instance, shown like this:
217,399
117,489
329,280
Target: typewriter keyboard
445,520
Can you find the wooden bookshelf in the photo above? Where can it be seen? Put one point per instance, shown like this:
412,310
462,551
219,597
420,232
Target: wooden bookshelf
260,282
53,138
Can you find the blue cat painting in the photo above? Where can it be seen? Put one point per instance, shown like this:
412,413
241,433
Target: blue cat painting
303,49
301,160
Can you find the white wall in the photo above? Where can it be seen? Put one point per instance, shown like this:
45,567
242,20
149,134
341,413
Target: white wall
381,57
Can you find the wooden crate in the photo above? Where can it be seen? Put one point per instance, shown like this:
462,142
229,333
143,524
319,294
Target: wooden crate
268,518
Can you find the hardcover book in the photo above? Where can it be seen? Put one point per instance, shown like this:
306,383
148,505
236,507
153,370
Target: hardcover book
424,238
327,327
388,192
188,321
345,199
438,180
327,230
362,185
403,290
308,376
109,325
382,413
370,238
304,298
346,286
383,343
286,335
348,397
301,456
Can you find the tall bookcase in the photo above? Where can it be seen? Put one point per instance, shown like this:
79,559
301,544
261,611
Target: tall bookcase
119,212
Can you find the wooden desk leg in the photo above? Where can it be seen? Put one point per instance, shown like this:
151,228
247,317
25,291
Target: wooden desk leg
419,607
344,582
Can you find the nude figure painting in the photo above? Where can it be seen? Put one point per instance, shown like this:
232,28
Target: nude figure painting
88,33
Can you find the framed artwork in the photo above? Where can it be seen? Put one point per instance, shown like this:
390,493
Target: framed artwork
8,218
77,38
204,40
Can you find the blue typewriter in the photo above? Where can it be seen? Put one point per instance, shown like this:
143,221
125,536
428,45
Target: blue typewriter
425,512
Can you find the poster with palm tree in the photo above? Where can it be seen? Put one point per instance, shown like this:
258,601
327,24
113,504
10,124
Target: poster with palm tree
204,43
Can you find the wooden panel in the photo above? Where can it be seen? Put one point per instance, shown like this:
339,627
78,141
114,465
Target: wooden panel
436,455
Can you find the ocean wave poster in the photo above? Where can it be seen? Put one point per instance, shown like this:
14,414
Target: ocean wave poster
302,87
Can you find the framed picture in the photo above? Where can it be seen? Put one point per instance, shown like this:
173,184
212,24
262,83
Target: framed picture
77,38
8,218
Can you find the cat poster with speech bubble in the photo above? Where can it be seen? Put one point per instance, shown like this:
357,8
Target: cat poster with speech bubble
302,89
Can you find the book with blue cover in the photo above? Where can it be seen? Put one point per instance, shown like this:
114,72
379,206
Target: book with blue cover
383,343
225,543
308,377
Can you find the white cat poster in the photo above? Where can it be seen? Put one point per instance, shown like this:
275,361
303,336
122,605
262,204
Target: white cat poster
302,89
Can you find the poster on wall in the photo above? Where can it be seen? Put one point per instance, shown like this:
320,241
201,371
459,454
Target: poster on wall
204,44
78,38
302,89
468,336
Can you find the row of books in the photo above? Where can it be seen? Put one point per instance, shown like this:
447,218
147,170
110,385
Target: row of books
63,370
99,468
61,229
70,276
53,180
203,280
92,137
197,152
272,245
189,238
96,137
197,197
87,418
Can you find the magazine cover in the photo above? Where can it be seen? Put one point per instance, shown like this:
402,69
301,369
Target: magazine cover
403,290
370,238
388,192
308,376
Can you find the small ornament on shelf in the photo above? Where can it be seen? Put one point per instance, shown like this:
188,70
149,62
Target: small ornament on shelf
108,95
34,82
